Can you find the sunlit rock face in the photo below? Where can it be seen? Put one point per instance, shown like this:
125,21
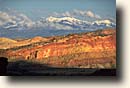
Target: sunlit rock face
100,41
88,50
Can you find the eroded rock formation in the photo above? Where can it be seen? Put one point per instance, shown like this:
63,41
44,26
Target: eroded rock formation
100,46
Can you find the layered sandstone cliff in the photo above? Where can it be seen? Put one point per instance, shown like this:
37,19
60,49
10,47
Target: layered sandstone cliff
76,49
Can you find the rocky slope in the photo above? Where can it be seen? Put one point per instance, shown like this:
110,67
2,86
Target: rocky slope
85,50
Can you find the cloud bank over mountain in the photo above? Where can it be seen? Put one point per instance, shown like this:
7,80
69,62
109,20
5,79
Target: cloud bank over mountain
19,21
16,24
76,12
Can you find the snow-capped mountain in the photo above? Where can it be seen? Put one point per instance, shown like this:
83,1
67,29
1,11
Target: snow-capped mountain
76,23
64,19
22,22
50,26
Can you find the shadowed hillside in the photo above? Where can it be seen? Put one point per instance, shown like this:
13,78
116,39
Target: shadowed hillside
23,67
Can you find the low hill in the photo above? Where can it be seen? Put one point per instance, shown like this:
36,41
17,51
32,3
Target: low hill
6,43
4,40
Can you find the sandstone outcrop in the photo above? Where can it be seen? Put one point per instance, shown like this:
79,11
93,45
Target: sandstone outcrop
93,48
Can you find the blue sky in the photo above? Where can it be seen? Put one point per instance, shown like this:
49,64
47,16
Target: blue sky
39,8
38,17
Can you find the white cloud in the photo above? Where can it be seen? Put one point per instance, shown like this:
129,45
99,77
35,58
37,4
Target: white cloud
8,20
68,14
86,14
65,14
66,20
76,13
4,18
90,14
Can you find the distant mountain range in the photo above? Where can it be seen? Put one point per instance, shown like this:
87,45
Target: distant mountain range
67,23
71,23
22,26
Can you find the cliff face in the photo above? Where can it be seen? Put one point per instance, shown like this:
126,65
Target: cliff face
77,45
99,46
